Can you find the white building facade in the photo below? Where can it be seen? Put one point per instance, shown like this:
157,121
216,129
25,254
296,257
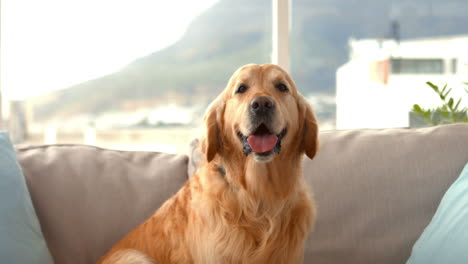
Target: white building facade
383,79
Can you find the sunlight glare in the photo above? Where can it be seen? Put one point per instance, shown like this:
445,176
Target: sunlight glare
54,44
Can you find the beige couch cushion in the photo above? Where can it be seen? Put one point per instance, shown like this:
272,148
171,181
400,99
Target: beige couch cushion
88,198
378,189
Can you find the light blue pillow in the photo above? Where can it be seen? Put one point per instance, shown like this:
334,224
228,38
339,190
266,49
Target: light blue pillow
21,240
445,239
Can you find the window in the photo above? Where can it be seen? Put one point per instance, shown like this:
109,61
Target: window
417,66
364,64
123,74
139,74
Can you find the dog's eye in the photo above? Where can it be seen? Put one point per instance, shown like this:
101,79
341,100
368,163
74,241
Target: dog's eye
242,88
282,87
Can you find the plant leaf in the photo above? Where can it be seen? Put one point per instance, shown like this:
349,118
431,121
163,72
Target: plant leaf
448,92
417,108
458,104
443,89
433,86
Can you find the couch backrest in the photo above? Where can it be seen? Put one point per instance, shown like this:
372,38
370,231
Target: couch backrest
88,198
376,190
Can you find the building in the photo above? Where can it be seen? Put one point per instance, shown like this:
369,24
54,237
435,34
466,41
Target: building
384,78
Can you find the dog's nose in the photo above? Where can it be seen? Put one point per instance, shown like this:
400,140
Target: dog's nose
261,105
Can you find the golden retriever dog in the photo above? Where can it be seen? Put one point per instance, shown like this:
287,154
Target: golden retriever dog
248,201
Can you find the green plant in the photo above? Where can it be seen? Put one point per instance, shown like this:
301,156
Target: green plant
448,112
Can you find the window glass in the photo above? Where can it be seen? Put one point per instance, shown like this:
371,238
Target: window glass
123,74
365,64
417,66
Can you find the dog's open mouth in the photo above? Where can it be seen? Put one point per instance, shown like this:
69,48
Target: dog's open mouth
262,141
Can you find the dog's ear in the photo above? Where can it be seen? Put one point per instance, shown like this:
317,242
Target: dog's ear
212,140
310,129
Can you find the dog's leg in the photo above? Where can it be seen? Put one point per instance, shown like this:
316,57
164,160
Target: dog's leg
128,256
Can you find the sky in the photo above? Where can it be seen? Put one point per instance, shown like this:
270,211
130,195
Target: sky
52,44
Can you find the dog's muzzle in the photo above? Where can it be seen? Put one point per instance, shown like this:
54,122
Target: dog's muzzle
247,141
262,140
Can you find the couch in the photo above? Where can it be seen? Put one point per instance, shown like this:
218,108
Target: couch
376,191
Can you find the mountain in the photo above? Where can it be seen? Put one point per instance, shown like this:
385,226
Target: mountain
234,33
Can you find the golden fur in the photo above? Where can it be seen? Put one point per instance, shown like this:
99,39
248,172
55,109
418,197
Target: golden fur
252,212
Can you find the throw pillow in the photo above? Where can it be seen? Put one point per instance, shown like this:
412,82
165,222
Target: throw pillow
21,240
445,239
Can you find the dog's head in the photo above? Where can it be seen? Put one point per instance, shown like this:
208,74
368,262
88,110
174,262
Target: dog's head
261,114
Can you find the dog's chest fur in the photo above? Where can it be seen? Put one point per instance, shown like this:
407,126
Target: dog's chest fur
232,225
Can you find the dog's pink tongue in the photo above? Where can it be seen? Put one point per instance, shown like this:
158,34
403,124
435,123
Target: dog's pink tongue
263,143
